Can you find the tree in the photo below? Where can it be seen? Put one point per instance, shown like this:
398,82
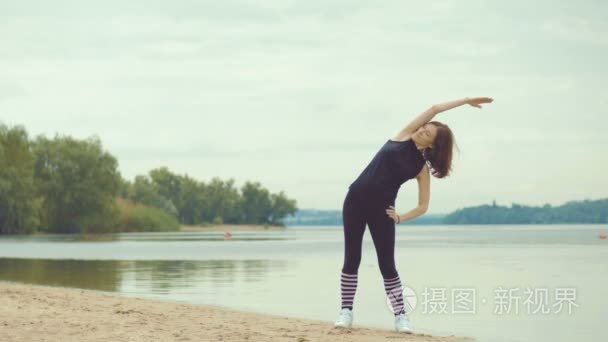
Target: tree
17,204
77,181
281,207
223,201
144,191
256,203
169,185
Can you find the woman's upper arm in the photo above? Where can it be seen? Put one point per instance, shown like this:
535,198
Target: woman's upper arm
417,122
424,187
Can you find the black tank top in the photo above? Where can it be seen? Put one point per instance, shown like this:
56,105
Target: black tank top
394,164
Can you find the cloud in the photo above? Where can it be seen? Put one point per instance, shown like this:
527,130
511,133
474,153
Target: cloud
577,29
306,92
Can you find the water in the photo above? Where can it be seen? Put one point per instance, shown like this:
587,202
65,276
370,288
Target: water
296,273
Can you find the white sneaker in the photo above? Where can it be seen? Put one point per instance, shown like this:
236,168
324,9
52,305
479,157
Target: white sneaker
345,320
402,324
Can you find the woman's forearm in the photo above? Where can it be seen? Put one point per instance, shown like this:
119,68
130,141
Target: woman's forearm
442,107
418,211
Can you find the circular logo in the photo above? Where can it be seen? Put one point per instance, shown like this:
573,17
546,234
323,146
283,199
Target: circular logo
403,294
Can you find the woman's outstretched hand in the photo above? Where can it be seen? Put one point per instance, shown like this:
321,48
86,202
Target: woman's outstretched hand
392,214
476,101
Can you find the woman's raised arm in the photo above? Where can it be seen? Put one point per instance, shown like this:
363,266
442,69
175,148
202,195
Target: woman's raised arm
430,113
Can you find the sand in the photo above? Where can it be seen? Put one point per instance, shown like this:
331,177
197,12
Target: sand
44,313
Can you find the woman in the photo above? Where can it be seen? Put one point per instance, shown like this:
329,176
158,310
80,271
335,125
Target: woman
422,147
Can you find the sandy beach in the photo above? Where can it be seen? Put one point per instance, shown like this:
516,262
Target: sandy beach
44,313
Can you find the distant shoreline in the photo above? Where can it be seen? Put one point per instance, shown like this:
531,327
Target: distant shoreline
230,227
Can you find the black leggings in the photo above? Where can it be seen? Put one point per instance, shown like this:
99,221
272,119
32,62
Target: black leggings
358,210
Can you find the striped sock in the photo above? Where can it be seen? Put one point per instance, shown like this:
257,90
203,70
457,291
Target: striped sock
348,287
394,292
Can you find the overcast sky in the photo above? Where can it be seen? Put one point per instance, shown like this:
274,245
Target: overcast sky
299,95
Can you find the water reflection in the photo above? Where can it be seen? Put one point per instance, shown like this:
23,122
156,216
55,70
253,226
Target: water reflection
93,274
138,276
166,237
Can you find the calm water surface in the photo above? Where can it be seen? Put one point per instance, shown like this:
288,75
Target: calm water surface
295,272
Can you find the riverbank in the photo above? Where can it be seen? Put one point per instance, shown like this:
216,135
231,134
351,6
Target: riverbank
230,228
44,313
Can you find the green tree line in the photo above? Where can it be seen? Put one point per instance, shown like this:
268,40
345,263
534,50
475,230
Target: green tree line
67,185
585,211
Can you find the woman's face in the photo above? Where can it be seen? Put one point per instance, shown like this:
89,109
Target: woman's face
425,135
